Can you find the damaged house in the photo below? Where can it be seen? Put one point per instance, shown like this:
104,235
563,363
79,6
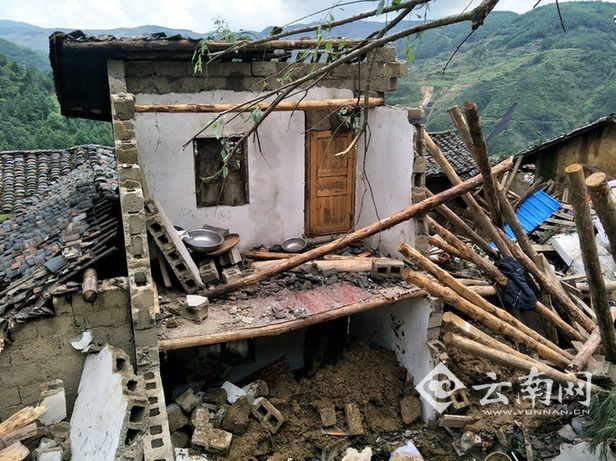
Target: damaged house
304,174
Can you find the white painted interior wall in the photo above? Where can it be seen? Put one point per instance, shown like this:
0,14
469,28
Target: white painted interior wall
387,165
276,171
276,168
402,328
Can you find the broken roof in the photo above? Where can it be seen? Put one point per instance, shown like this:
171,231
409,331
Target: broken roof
79,62
67,224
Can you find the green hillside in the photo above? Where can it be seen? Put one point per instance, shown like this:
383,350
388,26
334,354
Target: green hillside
30,116
522,71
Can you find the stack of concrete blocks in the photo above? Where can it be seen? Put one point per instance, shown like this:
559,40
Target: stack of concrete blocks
418,180
207,421
157,440
110,417
229,263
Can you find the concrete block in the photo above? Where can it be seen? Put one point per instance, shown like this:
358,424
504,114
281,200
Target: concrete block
54,398
208,271
387,268
176,417
231,274
185,454
265,412
187,400
196,314
230,258
233,392
213,440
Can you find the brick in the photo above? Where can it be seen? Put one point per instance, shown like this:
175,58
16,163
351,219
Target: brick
123,106
328,415
187,400
231,274
208,271
126,152
387,268
265,412
176,417
353,419
231,258
212,440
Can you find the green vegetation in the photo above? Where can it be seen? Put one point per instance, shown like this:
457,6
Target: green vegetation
522,70
29,111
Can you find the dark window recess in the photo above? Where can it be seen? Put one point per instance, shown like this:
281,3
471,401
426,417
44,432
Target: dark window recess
215,184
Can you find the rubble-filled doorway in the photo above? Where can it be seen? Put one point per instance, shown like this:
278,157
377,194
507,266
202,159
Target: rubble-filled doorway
330,183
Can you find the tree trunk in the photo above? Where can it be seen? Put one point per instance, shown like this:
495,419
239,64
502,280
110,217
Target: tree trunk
89,287
590,256
604,206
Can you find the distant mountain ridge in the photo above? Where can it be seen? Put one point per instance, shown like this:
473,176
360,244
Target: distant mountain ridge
530,80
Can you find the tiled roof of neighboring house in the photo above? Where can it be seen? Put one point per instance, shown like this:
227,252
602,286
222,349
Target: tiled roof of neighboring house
67,223
456,153
571,134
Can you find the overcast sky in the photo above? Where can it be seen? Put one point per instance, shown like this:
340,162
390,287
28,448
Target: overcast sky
199,15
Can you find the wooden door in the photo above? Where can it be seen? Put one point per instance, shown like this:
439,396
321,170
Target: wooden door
330,183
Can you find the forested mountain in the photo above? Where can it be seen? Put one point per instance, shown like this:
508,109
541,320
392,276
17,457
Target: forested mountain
530,80
29,112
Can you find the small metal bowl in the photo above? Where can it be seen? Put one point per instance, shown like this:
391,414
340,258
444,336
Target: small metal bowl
203,240
293,245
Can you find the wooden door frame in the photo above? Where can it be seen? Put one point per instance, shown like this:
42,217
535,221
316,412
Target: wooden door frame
310,138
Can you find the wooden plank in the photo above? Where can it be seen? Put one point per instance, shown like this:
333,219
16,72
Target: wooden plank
283,106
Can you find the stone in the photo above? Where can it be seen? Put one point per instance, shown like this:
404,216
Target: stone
186,454
237,417
176,417
48,450
233,392
408,452
567,433
201,417
215,395
327,413
213,440
581,452
187,400
351,454
410,409
179,439
353,419
579,424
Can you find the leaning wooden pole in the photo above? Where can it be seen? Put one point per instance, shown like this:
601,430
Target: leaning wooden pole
496,275
372,229
464,228
588,349
446,279
590,257
486,318
473,206
604,206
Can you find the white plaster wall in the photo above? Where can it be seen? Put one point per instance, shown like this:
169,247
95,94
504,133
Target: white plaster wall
401,328
387,165
276,171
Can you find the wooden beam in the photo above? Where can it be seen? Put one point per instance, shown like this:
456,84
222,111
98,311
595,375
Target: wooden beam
446,279
588,349
590,256
473,207
322,104
358,235
89,287
486,318
277,328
